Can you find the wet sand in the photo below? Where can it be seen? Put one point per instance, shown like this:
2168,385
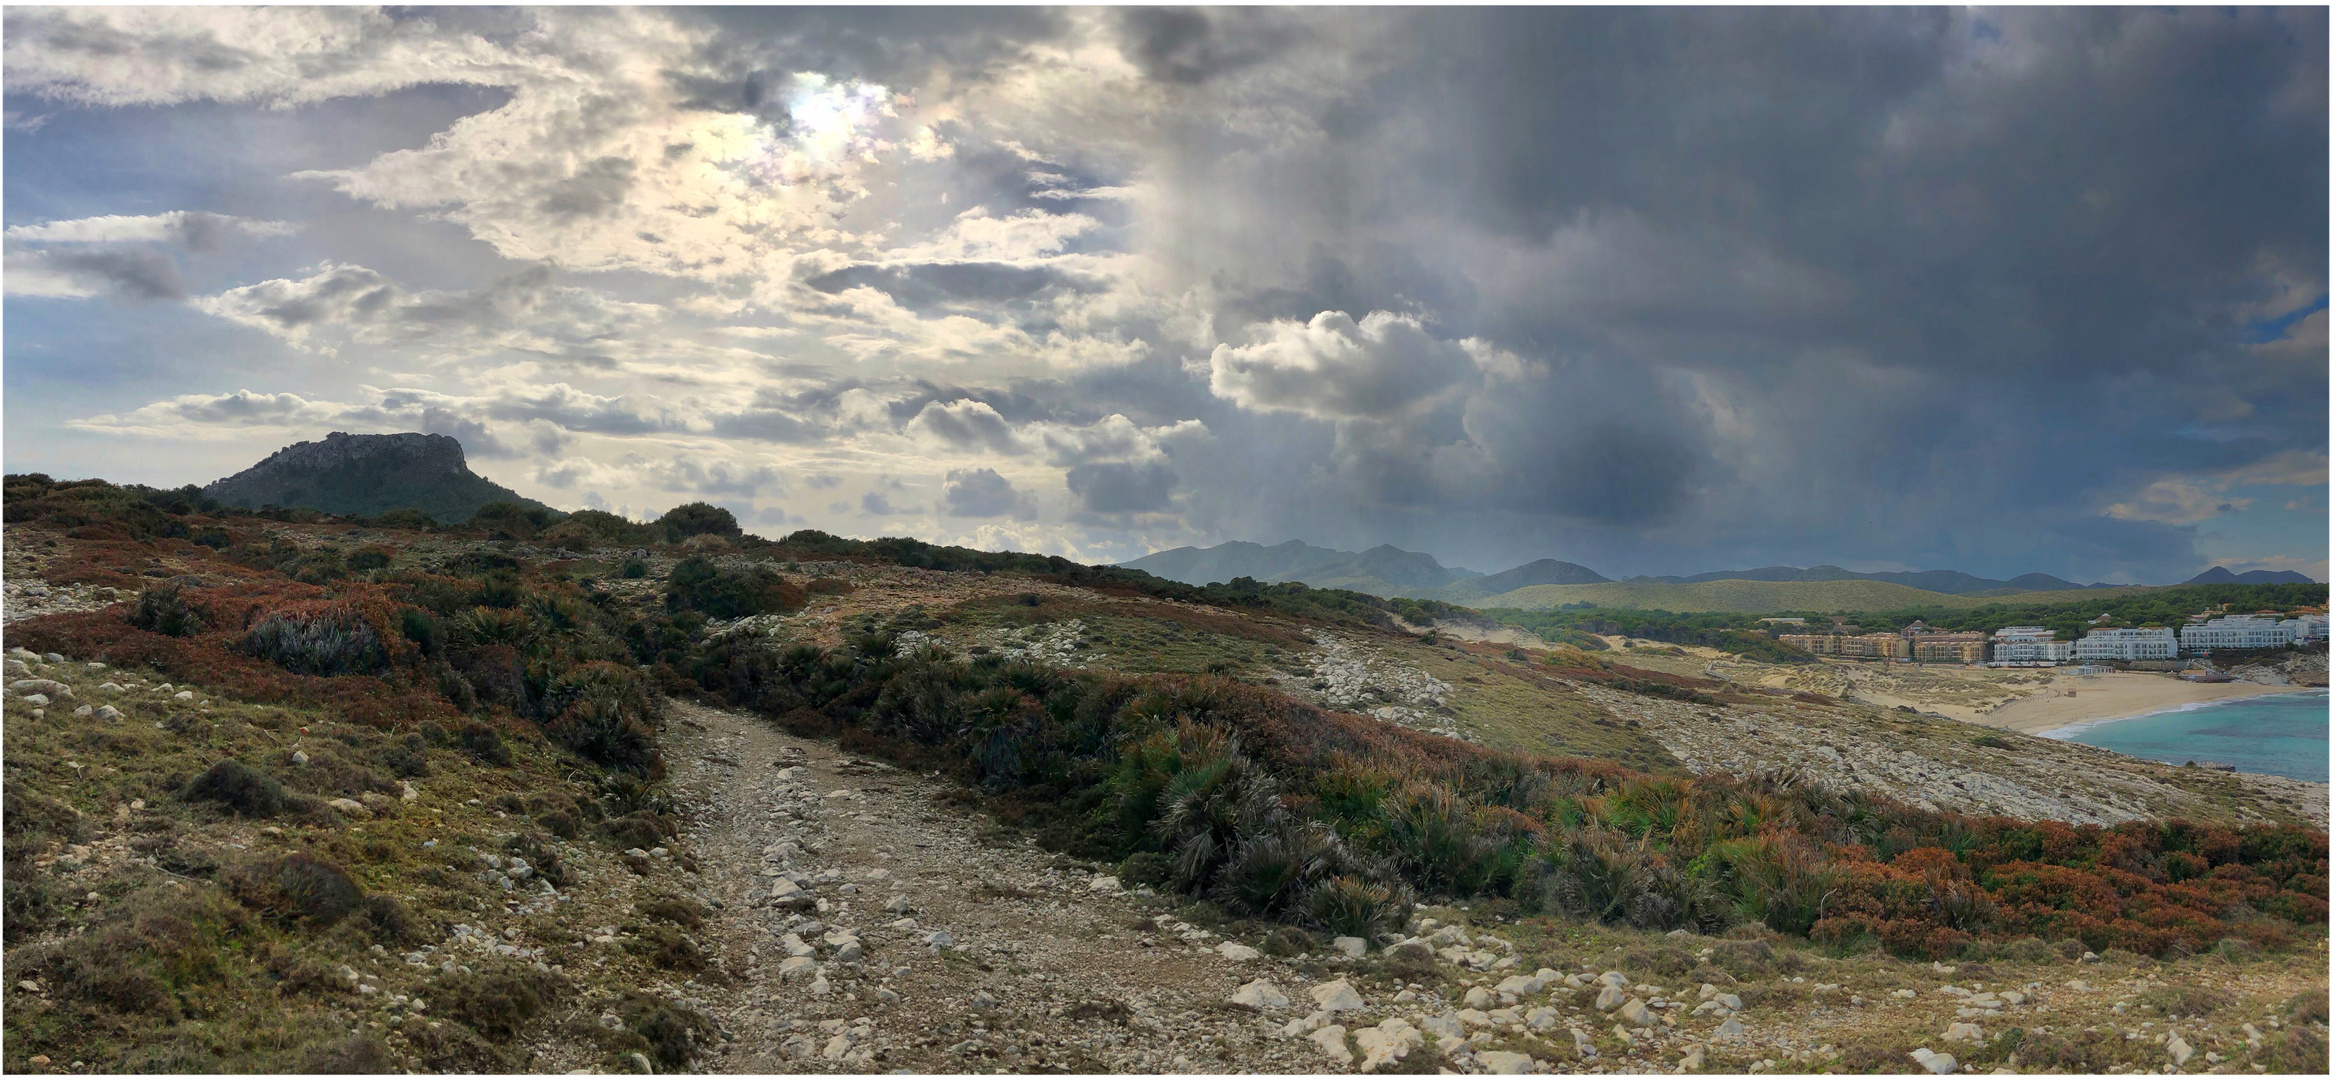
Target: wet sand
2074,699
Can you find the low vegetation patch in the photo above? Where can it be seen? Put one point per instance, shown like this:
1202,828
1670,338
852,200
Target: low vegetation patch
1270,807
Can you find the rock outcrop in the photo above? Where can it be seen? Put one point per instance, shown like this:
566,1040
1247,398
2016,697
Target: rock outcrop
368,475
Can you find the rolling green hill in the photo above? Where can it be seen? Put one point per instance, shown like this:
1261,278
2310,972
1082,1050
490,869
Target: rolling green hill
1757,597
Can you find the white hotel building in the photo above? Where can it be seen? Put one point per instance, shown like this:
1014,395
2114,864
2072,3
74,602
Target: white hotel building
2028,646
2156,643
2248,632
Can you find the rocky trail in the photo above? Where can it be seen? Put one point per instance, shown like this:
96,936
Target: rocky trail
863,920
867,927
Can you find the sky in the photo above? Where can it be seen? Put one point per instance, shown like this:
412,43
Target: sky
1653,290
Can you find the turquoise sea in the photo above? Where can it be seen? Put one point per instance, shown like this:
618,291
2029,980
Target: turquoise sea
2279,734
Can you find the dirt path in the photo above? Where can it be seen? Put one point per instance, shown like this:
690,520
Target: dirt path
1037,967
1009,959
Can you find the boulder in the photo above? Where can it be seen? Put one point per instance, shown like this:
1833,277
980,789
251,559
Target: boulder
1447,1025
1412,949
2179,1050
795,967
1331,1040
1693,1058
1542,1019
1939,1064
1521,985
1503,1062
1338,996
1386,1043
1260,994
1352,946
350,807
1635,1014
1609,998
1478,998
1237,953
784,893
1731,1029
1963,1033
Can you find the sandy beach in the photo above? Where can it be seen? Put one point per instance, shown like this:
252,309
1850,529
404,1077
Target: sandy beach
2071,699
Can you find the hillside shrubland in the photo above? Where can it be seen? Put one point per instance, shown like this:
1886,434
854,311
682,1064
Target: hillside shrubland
1294,797
426,648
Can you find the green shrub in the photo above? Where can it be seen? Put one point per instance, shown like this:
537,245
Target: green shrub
164,610
634,569
355,1055
483,744
421,628
335,642
392,924
667,947
673,1031
1351,906
403,519
238,787
698,519
1599,874
607,713
1145,868
1429,833
696,584
300,886
1268,872
499,1001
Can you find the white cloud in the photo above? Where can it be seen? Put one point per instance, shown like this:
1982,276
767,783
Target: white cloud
114,56
192,228
2184,500
1333,368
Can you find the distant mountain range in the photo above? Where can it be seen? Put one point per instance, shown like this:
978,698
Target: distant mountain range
368,475
1389,571
1948,582
2220,575
1384,570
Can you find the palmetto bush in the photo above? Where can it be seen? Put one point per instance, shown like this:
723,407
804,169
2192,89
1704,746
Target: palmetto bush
165,609
1357,906
1602,875
1208,811
1432,834
1270,871
331,641
607,713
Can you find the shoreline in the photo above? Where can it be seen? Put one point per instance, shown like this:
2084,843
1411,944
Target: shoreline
2078,726
2122,695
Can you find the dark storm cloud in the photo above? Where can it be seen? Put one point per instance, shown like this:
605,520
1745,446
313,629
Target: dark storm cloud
1122,487
982,493
1785,222
1194,45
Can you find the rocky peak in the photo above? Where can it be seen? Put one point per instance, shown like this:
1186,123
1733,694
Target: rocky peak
340,449
367,475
